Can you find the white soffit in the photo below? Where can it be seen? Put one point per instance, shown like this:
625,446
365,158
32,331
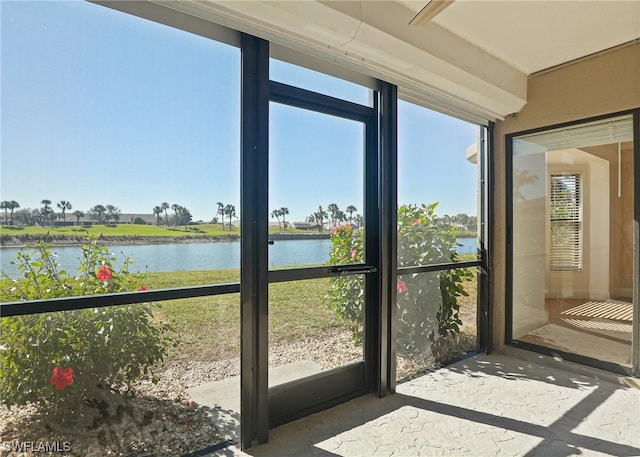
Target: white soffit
430,65
534,35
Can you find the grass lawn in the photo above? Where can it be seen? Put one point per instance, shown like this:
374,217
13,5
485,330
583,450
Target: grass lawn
209,327
132,230
121,230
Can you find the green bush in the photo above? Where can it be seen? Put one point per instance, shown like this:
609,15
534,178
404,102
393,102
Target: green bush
83,354
427,302
346,296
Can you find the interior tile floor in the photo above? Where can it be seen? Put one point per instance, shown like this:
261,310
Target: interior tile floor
600,330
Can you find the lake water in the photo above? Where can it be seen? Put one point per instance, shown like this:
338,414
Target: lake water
202,256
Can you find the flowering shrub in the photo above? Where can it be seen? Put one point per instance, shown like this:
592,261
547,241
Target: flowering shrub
427,302
346,293
62,377
85,353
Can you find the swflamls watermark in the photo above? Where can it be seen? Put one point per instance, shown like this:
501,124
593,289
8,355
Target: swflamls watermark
35,446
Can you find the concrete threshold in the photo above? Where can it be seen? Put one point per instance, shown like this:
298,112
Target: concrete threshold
223,397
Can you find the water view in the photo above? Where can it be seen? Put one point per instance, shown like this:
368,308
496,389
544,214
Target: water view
202,256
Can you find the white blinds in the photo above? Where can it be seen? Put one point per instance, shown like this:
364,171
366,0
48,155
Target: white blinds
607,131
565,195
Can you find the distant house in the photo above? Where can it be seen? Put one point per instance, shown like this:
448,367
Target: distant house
124,218
306,226
129,218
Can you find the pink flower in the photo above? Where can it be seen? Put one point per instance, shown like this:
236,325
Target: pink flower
416,222
104,273
354,253
335,229
62,377
401,286
142,288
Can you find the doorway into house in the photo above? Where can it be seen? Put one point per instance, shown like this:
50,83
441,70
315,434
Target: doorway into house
572,252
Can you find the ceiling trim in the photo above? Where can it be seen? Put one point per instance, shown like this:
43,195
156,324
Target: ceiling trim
583,58
431,10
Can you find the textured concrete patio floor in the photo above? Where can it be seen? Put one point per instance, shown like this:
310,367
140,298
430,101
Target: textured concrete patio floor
482,406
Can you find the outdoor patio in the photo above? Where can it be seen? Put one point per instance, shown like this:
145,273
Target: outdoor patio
519,405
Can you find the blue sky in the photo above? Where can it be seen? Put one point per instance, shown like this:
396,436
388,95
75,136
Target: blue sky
99,107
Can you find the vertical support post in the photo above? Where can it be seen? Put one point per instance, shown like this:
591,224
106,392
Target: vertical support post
486,233
388,159
508,244
254,218
635,333
372,251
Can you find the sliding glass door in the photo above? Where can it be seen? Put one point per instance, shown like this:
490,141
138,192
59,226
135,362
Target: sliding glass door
572,248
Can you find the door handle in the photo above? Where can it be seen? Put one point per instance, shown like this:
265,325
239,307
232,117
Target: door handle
352,269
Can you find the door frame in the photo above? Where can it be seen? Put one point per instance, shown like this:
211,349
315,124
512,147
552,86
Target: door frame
304,396
634,370
262,407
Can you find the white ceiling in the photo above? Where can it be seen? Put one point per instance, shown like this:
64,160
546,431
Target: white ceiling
536,35
471,60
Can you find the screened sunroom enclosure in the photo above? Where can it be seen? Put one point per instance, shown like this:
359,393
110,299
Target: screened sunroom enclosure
386,326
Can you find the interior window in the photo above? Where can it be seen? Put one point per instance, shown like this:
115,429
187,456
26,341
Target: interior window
565,196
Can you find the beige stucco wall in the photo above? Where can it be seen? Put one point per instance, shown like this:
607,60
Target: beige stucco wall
620,216
604,84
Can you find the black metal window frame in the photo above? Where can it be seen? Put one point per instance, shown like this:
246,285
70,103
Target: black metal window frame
508,202
483,261
8,309
304,396
264,407
381,242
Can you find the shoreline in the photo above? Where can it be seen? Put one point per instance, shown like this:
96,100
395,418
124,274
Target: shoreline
7,241
111,240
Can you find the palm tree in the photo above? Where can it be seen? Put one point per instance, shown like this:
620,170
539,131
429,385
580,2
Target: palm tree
283,212
112,213
230,211
223,213
5,206
165,207
183,216
46,210
319,217
13,205
64,206
220,212
333,212
358,219
176,208
97,213
157,211
351,209
276,213
78,214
